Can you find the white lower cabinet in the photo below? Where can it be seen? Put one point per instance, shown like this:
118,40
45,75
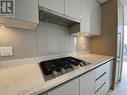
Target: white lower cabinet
69,88
103,80
102,90
100,82
87,83
101,70
109,74
100,85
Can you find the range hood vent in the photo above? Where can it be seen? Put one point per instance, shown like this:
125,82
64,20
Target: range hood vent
52,17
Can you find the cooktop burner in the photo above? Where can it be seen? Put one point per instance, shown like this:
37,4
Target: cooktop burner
56,67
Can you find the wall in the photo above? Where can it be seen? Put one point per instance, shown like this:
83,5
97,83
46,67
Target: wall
106,43
46,40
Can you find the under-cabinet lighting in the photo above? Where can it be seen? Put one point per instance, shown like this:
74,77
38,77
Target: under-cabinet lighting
2,27
86,34
80,16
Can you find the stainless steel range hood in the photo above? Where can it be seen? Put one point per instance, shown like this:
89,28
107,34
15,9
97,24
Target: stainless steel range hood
56,18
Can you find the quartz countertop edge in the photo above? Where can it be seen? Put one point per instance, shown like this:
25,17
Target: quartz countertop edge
69,76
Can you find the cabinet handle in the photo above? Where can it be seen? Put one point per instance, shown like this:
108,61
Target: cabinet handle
100,87
100,76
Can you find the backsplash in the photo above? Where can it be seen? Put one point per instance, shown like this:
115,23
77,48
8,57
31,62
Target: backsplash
48,39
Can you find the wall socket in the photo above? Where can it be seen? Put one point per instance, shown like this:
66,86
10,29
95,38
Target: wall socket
6,51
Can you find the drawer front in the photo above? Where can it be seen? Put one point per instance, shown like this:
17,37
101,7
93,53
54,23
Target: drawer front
107,86
101,70
100,81
69,88
102,90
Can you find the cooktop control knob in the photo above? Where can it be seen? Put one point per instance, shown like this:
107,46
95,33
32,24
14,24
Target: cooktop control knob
79,67
63,70
73,67
55,73
82,64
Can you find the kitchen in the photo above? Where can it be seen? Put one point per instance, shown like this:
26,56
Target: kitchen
80,33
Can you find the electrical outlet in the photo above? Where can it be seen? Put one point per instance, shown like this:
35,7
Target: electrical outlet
6,51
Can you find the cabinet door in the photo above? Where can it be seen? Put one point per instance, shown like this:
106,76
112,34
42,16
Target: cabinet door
55,5
73,8
27,10
87,83
69,88
109,74
90,13
26,15
102,90
95,21
86,7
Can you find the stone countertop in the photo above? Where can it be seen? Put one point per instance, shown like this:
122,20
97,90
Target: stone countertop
28,79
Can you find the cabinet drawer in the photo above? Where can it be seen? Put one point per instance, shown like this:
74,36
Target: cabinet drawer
102,90
69,88
101,70
100,81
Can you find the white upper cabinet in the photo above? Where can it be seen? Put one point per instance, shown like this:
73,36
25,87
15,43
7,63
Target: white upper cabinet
26,15
69,8
73,8
27,10
90,17
86,12
54,5
86,8
95,21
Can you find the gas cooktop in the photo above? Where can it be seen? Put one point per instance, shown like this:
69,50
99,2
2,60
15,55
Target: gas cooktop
57,67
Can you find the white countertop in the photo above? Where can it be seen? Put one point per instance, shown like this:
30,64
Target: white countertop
28,79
